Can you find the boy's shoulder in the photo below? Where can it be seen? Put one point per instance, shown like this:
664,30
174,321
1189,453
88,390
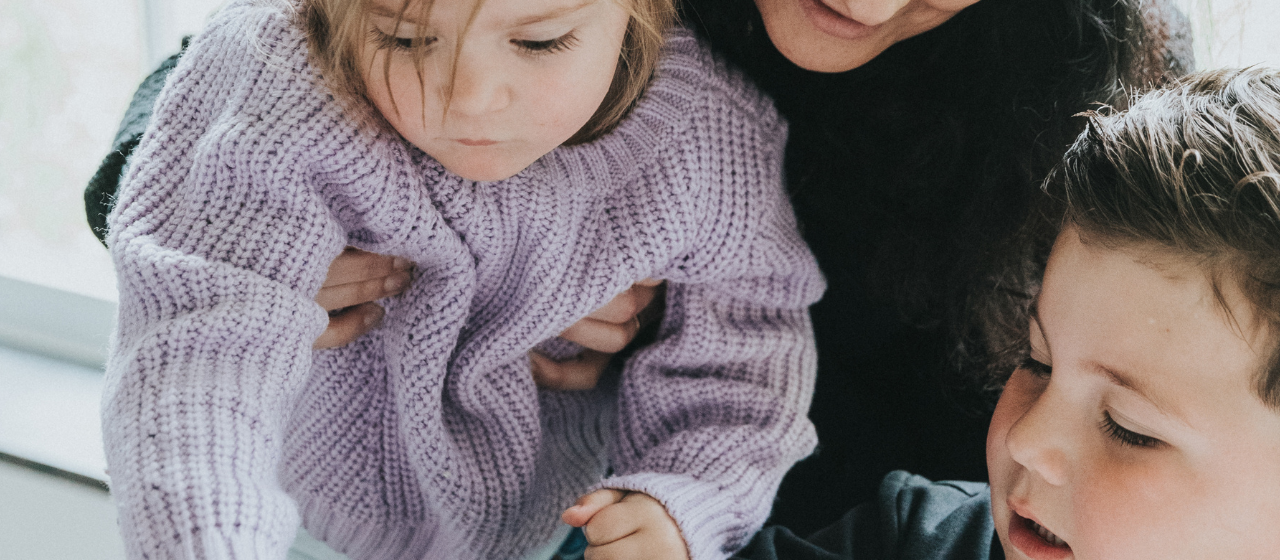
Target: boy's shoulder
926,519
913,518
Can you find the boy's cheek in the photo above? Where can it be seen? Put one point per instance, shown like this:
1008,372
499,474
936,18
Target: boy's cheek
1136,511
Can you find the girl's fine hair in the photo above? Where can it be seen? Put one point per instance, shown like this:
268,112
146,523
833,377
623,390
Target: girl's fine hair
338,29
1191,171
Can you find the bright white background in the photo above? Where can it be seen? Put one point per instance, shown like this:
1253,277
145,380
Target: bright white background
69,67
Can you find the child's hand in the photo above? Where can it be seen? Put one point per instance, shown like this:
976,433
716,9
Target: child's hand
626,525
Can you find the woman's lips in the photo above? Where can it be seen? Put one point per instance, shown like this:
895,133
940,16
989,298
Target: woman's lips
832,22
1024,536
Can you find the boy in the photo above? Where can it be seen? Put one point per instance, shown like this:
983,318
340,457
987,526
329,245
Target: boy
1144,421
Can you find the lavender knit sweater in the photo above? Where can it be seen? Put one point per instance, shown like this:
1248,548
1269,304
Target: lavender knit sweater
427,438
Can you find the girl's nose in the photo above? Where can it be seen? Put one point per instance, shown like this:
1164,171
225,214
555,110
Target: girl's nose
1038,440
478,88
868,12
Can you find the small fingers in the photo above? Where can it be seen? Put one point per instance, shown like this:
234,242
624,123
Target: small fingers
354,265
579,374
356,293
589,505
349,325
638,527
602,336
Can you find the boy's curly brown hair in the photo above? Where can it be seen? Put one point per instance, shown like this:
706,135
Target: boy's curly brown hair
1192,169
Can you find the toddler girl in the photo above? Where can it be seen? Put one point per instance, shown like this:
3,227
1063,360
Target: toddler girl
532,163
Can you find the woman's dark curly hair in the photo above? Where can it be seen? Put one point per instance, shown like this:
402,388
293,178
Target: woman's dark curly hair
924,162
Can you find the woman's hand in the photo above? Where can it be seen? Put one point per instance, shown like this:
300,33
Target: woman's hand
603,333
357,278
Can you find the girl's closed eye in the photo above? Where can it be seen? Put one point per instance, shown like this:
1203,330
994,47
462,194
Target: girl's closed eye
549,46
396,43
1126,436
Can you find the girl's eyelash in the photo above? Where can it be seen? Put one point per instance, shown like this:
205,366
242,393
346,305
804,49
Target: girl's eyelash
1126,436
550,46
391,42
1036,367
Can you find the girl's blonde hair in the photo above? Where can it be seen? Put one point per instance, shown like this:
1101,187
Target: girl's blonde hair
338,29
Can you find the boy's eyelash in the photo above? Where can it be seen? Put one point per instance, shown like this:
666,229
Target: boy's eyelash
1036,367
550,46
1126,436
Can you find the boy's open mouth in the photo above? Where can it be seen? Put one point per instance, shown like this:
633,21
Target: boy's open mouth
1035,541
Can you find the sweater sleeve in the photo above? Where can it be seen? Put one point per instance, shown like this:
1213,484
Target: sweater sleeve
714,412
220,242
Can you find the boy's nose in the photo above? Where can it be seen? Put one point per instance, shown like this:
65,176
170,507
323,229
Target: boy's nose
478,88
868,12
1037,441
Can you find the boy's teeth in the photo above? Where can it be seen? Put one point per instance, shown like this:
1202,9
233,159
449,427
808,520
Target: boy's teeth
1047,535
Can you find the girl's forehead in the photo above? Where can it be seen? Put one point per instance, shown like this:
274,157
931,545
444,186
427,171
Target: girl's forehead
510,13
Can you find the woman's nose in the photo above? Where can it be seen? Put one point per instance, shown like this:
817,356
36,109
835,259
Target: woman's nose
1038,440
868,12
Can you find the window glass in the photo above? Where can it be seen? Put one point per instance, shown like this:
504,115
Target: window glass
67,71
1229,33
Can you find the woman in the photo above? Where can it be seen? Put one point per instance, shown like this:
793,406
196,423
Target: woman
919,130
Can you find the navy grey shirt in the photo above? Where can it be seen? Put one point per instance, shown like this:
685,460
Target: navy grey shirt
912,518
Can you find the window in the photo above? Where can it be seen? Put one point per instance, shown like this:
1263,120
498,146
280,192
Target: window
69,69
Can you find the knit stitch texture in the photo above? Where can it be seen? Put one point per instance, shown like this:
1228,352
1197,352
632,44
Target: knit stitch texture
427,438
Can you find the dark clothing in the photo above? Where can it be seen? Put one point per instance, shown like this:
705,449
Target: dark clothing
909,176
911,519
100,195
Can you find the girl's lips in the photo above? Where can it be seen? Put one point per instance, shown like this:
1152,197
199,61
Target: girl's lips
1023,536
832,22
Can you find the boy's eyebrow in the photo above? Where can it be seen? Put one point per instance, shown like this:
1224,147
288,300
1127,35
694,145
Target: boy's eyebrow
1132,383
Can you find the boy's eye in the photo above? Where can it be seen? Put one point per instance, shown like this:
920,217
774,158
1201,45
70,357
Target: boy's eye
1126,436
1037,368
549,46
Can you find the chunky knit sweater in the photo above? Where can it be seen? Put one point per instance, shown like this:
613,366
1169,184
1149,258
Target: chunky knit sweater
427,438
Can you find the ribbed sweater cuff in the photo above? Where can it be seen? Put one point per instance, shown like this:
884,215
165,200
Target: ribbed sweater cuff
713,521
215,544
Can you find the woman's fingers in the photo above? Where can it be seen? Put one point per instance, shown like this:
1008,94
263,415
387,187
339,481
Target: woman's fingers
356,293
628,305
602,336
349,325
578,374
354,265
